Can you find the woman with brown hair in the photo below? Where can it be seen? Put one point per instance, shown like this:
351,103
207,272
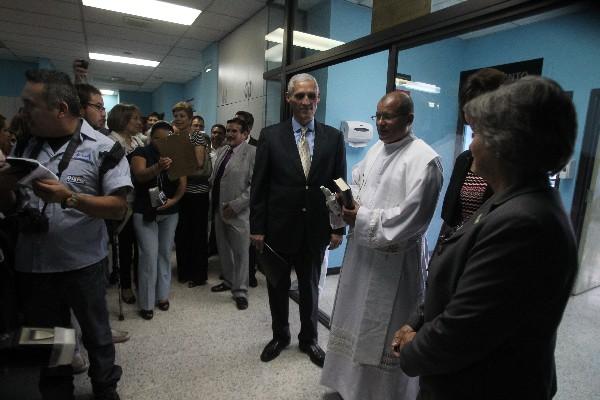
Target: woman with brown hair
124,121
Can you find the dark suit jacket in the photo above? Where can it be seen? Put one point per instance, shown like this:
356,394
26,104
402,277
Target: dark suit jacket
285,206
496,292
451,211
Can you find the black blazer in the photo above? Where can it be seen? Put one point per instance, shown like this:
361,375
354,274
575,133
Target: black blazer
496,292
285,206
451,211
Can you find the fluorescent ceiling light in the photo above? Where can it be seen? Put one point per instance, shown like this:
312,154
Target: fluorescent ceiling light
148,9
107,92
275,53
418,86
306,40
124,60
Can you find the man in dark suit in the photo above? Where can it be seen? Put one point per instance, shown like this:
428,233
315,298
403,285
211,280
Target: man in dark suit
287,209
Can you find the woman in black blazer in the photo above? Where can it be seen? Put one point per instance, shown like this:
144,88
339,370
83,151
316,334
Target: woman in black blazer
498,286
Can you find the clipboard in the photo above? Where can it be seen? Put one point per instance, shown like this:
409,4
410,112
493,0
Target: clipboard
180,149
272,265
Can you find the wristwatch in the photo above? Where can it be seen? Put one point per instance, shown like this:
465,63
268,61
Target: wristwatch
70,202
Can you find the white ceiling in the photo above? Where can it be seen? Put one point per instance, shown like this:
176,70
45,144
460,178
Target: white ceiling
64,30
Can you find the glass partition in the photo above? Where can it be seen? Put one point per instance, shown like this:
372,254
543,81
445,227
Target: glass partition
561,45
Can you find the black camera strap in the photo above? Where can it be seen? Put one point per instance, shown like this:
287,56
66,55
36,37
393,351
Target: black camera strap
74,142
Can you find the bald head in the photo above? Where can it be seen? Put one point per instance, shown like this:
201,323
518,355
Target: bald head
395,115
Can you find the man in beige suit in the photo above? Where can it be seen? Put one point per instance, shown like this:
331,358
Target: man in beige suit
231,180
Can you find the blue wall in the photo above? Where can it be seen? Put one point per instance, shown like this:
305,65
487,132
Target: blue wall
141,99
191,90
165,97
12,77
110,101
209,89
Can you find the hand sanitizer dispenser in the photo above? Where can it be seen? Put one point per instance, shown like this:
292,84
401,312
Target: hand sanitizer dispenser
357,133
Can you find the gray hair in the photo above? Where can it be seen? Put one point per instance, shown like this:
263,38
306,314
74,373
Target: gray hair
301,78
530,123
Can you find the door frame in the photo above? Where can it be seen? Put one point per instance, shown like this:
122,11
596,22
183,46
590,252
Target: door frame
587,159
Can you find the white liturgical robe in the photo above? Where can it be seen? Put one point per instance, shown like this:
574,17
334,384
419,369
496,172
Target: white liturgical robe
382,279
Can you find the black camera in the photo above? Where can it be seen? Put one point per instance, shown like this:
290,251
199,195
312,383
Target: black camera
83,63
31,220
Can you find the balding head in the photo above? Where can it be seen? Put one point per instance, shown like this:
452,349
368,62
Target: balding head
395,114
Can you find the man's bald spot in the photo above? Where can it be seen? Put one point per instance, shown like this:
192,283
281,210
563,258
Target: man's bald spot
403,102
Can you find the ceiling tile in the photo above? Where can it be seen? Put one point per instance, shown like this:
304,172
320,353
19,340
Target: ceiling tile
134,35
186,53
236,8
47,7
192,44
130,21
217,21
7,28
36,20
206,34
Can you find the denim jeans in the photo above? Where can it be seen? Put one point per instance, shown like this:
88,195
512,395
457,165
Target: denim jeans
155,241
48,298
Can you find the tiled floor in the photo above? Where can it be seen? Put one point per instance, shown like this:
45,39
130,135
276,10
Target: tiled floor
204,348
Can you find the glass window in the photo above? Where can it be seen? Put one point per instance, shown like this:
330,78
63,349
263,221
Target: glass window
321,25
561,44
274,48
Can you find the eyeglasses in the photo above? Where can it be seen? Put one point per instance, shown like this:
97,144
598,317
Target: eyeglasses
385,117
98,107
300,96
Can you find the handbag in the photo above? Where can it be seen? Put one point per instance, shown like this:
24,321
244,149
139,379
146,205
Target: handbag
205,171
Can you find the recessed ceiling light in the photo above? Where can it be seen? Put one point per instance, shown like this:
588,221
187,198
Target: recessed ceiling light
153,9
124,60
107,92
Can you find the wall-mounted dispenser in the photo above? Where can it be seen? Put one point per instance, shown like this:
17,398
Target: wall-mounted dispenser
357,133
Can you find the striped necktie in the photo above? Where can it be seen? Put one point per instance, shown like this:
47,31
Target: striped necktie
304,151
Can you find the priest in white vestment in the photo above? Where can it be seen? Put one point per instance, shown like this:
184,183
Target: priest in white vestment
396,188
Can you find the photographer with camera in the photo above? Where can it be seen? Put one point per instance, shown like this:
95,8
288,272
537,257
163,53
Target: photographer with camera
155,216
62,242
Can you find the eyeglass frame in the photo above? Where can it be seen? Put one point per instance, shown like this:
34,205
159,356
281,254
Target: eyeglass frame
386,117
98,107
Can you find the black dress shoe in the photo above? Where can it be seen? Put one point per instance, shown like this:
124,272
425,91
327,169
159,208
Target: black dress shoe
253,282
221,287
241,303
164,306
316,354
273,349
193,284
147,314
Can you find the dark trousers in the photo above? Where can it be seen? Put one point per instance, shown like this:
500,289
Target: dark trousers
191,238
46,303
252,261
307,264
128,254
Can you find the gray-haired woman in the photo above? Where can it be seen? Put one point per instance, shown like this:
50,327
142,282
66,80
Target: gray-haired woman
498,286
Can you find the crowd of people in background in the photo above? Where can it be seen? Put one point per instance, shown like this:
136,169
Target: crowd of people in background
463,335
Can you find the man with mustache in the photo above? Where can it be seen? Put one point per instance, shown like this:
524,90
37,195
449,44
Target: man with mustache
287,209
